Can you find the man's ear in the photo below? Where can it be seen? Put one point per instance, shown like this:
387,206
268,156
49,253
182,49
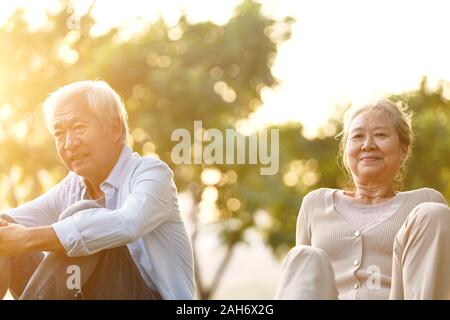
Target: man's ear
116,130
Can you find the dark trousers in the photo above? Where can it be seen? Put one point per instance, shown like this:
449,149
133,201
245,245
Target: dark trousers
109,274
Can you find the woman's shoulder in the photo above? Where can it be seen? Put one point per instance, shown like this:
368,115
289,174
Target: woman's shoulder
426,194
318,194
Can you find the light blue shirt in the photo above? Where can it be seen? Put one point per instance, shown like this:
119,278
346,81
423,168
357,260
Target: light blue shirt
141,211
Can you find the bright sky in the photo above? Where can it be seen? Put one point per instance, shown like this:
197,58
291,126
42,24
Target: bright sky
356,51
340,51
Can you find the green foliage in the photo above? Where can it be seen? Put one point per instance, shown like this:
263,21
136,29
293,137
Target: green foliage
430,165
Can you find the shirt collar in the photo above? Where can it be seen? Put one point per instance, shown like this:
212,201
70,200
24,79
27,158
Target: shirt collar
115,176
119,169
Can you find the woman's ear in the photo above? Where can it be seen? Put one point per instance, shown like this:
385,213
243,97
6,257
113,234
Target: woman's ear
404,149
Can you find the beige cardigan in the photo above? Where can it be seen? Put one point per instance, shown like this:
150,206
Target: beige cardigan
357,256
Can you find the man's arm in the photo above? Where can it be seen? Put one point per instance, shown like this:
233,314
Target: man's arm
45,209
150,202
42,239
16,239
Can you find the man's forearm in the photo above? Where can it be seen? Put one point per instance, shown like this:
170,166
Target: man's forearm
42,239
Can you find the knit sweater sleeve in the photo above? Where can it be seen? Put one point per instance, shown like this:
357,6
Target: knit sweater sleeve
303,232
436,196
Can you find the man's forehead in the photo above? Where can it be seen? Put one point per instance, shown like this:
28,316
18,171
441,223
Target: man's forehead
70,113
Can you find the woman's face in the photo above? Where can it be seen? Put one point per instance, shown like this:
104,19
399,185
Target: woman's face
373,150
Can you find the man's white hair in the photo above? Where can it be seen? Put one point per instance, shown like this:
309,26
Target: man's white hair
97,95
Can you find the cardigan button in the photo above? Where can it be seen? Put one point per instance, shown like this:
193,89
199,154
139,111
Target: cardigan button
357,233
355,262
356,286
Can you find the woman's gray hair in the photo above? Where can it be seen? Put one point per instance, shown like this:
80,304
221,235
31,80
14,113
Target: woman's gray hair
96,95
401,119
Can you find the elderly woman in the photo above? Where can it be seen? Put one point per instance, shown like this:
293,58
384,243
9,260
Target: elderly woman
371,241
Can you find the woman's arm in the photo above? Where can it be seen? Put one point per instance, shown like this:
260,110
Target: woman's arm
303,231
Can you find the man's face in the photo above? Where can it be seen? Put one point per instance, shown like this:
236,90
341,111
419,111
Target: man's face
86,146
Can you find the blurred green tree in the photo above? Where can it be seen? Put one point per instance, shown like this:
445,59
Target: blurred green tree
430,164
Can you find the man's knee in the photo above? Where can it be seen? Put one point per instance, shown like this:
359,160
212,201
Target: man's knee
78,206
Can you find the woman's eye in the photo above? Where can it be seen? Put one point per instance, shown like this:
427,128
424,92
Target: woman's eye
357,136
380,134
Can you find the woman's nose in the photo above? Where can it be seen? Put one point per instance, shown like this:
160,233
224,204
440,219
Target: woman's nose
368,144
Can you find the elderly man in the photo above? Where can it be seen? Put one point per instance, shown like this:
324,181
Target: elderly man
111,227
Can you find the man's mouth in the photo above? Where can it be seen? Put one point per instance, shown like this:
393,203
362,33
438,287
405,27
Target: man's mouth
78,157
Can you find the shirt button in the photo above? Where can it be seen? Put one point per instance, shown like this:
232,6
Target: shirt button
355,262
357,233
356,286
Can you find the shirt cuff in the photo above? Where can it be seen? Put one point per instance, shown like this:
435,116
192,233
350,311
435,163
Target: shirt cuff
8,218
70,238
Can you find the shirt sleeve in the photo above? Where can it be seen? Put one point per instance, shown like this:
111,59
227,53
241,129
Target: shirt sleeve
303,234
42,211
151,201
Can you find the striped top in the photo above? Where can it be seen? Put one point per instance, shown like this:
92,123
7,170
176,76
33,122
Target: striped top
361,258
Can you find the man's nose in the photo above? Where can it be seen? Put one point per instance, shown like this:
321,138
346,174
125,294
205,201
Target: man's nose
71,141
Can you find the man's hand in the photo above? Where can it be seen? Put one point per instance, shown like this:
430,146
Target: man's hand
16,239
11,238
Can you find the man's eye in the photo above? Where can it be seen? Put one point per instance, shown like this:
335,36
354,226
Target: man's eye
79,128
